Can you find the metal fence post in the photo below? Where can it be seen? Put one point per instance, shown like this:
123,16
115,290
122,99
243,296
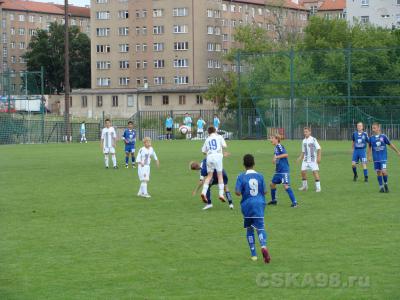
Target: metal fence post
42,102
239,98
291,93
349,81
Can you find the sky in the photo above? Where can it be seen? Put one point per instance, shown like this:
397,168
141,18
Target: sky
74,2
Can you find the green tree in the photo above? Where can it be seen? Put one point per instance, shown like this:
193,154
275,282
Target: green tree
47,49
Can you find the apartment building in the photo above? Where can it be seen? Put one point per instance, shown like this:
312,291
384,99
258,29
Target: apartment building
332,9
20,20
162,55
383,13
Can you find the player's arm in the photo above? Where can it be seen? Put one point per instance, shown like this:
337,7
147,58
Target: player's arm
238,186
156,158
204,148
394,148
102,141
369,152
197,188
301,157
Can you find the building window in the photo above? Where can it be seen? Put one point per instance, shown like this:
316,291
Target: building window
21,18
148,100
103,48
364,2
12,31
157,47
22,45
138,64
123,81
114,101
182,99
144,65
102,31
199,99
144,13
144,30
11,17
12,45
124,64
123,14
32,32
103,81
181,79
99,101
84,101
180,46
21,31
144,47
138,81
122,31
130,101
180,28
180,12
137,29
158,29
138,47
158,13
102,15
159,63
103,65
364,19
159,80
165,100
123,48
101,1
210,30
181,63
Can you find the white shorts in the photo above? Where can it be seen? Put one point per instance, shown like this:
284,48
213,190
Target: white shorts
107,150
214,162
144,173
200,131
309,166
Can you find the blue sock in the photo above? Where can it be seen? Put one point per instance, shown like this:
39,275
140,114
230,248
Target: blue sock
126,160
262,237
208,194
355,170
385,179
133,159
273,195
291,195
250,240
229,197
365,172
380,180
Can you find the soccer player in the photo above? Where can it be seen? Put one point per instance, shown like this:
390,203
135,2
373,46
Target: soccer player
187,121
129,137
251,186
281,171
169,123
360,141
83,132
143,160
311,157
108,141
202,167
377,145
200,127
216,122
213,148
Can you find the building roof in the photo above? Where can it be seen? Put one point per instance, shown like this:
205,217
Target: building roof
333,5
43,7
292,4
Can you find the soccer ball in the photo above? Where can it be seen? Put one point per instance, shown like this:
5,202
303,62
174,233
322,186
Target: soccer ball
183,129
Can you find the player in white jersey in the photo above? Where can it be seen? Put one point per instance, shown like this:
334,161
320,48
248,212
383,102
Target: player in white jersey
108,141
213,148
310,157
143,160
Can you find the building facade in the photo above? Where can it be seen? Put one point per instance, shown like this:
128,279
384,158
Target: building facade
169,51
19,22
382,13
332,9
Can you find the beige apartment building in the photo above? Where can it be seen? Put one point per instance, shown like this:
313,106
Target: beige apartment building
20,20
163,55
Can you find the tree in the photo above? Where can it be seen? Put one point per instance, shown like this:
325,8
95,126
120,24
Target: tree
47,49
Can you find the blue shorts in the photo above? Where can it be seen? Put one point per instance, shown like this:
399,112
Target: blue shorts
129,148
214,180
257,223
380,165
279,178
360,155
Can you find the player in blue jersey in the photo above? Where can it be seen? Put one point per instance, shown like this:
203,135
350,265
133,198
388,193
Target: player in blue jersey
202,167
377,145
251,186
83,132
169,123
360,141
129,138
216,123
282,170
200,127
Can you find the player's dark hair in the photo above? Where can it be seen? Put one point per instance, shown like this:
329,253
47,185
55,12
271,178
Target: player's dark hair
211,130
248,161
307,128
376,124
130,122
107,120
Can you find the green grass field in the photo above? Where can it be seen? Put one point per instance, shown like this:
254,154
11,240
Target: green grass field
69,229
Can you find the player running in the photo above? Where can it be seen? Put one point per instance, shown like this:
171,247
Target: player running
83,132
213,148
129,137
311,157
202,167
251,186
108,142
281,171
377,145
216,123
143,160
360,141
200,127
187,121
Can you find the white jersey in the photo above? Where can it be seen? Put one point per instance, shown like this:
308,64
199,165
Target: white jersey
214,144
107,136
310,147
145,154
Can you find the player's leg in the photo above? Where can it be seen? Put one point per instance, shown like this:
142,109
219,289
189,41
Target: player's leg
126,158
262,237
385,177
106,154
208,200
113,157
365,169
379,176
228,194
219,168
304,184
273,191
354,162
288,189
317,181
133,158
206,185
251,241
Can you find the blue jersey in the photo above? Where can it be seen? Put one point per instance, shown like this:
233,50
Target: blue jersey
200,124
187,121
129,136
252,187
360,140
214,179
378,145
216,122
282,164
169,123
83,128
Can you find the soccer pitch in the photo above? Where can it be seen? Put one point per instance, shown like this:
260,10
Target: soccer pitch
70,229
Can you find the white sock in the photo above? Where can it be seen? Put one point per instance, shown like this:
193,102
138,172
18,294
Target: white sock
221,189
318,185
144,187
305,184
106,160
114,160
205,188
